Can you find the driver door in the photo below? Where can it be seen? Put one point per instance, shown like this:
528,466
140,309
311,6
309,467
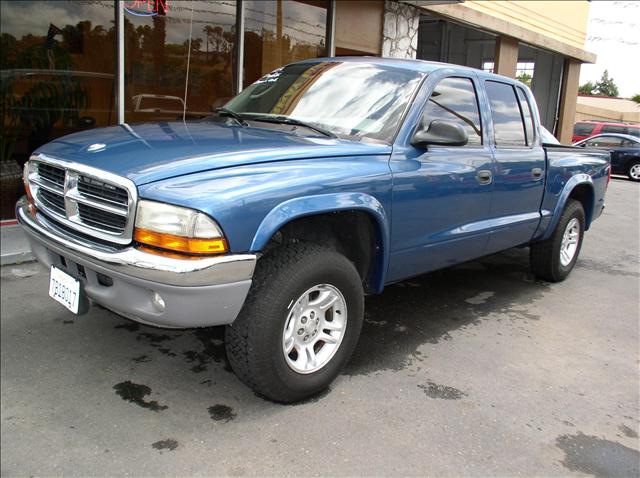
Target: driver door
442,194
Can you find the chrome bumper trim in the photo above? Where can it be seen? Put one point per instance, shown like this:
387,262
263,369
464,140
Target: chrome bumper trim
133,262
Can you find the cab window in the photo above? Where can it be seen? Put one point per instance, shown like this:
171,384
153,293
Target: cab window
525,107
508,124
454,99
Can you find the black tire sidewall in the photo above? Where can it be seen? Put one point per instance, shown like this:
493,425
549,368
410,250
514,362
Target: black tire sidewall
573,210
285,289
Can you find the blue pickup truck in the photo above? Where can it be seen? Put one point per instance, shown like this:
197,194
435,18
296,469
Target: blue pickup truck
320,183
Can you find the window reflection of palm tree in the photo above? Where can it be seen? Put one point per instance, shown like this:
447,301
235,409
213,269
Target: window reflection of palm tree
49,44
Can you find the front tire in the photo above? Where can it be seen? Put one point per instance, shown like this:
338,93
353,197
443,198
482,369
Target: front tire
300,323
634,171
554,258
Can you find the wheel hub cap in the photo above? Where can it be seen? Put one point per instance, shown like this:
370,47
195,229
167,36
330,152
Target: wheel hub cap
569,244
314,328
634,172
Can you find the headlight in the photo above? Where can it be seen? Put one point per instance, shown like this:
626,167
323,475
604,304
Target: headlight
178,229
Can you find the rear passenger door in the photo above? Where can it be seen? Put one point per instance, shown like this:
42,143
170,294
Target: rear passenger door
519,166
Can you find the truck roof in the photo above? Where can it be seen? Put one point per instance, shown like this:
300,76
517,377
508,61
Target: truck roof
423,66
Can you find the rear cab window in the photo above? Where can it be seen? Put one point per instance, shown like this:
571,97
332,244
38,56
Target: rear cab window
527,114
508,122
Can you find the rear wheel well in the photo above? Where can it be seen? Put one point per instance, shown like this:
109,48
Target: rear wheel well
583,193
352,233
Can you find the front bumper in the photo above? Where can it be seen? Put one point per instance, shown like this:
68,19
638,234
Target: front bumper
196,292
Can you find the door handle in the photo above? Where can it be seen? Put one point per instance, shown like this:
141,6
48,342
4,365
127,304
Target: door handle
484,176
536,173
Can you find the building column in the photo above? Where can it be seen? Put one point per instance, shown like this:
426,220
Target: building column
331,28
568,100
400,30
238,54
506,57
120,93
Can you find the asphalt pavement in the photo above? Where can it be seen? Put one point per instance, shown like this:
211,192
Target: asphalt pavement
478,370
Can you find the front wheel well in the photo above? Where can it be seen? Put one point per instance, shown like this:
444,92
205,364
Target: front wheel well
352,233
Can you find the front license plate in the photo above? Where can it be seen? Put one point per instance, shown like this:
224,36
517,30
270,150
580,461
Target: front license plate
65,289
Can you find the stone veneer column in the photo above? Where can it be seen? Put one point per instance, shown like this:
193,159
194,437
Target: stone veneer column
400,31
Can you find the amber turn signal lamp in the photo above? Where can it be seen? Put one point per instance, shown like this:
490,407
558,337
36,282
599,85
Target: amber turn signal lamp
185,245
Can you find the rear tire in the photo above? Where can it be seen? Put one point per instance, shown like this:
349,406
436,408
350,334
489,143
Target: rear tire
634,171
288,286
554,258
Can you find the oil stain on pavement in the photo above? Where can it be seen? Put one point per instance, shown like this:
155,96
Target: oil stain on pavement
135,393
212,341
221,413
141,359
599,457
433,390
128,325
207,348
168,444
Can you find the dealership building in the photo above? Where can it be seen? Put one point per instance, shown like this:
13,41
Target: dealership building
73,65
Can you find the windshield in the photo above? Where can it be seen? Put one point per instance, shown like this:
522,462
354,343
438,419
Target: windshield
352,99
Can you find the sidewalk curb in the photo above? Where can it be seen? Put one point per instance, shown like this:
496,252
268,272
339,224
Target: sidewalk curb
14,246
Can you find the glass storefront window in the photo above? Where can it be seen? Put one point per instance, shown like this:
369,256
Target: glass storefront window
57,73
156,50
280,32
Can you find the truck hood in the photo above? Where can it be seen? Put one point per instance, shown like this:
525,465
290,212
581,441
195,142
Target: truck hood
146,153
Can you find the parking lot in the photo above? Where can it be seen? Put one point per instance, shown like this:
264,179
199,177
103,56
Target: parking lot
477,370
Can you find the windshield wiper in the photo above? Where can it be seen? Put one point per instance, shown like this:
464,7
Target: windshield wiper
291,121
227,112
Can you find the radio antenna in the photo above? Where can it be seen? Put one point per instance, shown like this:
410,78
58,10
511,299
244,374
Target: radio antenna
186,80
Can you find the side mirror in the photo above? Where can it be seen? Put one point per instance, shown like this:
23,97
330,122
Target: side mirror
441,132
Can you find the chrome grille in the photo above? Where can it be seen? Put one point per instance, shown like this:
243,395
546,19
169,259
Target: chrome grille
95,188
89,200
52,200
100,219
51,173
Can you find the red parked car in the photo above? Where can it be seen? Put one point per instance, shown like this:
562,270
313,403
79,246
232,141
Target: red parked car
586,129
